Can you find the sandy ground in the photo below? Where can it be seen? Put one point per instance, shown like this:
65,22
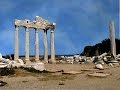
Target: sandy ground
24,80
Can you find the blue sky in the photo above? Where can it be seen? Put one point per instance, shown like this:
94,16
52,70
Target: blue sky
78,23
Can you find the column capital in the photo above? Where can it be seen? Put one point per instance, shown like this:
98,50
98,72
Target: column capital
36,29
16,27
52,30
26,29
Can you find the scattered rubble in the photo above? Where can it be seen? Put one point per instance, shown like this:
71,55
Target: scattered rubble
10,63
7,66
99,66
99,61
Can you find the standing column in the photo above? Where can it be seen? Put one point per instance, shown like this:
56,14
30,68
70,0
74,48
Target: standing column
45,47
16,42
27,45
52,46
112,38
36,45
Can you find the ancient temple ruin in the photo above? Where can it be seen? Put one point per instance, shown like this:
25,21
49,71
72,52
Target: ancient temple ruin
38,24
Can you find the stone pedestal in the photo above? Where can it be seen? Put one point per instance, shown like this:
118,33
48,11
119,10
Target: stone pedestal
45,47
36,46
16,49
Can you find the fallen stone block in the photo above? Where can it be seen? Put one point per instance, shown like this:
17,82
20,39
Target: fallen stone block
110,64
54,70
89,70
113,61
3,65
62,83
35,65
101,75
99,66
72,72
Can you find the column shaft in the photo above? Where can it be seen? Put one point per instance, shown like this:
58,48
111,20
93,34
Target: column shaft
16,43
112,38
36,45
27,45
45,47
52,46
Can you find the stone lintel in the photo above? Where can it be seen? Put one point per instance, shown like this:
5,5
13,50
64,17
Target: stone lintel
27,23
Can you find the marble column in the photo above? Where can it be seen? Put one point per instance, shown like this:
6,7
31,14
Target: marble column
16,43
52,46
112,38
45,47
36,46
27,45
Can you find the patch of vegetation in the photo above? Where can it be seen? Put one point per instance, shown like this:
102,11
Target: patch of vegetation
102,47
34,70
7,71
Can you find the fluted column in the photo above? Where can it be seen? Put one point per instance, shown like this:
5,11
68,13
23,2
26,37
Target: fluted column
36,45
27,45
16,43
45,47
52,47
112,38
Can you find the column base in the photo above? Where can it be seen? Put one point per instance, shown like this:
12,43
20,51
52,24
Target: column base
46,62
15,59
27,61
52,61
37,60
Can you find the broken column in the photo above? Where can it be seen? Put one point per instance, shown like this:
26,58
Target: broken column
36,45
27,45
16,50
112,38
45,47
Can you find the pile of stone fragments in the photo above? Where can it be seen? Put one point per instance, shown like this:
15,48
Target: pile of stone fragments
10,63
104,59
99,61
7,65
